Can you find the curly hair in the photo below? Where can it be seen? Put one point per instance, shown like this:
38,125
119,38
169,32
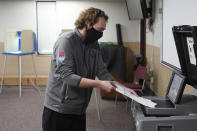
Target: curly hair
91,14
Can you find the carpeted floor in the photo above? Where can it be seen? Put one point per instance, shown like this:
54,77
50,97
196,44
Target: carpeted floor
25,113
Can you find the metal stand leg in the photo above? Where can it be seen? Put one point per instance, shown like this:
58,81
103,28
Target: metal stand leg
116,98
19,73
127,104
99,99
98,109
3,73
34,66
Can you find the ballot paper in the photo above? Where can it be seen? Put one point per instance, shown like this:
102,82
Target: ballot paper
140,100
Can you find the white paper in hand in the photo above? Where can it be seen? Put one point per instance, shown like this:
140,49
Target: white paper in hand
143,101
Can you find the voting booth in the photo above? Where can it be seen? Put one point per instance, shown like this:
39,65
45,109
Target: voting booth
175,111
19,43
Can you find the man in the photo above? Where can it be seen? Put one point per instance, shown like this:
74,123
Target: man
75,62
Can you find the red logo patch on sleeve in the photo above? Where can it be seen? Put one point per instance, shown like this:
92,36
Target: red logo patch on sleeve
61,56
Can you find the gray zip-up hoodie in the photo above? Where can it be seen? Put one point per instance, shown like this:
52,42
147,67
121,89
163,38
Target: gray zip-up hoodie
72,59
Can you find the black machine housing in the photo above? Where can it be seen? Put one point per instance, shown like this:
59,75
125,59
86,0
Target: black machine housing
181,33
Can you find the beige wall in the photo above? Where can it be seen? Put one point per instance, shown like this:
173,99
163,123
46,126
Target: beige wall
134,46
161,74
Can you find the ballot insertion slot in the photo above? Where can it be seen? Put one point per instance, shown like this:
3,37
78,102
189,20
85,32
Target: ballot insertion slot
165,127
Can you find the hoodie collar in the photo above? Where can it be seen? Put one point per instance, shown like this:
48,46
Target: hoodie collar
79,34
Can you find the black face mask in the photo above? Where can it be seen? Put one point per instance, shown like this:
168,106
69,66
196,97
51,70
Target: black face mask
92,35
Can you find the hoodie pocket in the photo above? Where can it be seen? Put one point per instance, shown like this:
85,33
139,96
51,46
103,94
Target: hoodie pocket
64,92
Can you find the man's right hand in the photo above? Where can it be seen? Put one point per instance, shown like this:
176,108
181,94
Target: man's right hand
106,86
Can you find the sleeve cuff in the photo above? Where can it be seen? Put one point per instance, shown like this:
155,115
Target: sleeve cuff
73,80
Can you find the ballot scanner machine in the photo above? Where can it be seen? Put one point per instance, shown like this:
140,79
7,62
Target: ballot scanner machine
175,111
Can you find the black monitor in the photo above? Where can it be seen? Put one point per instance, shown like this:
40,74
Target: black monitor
137,9
185,37
176,87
